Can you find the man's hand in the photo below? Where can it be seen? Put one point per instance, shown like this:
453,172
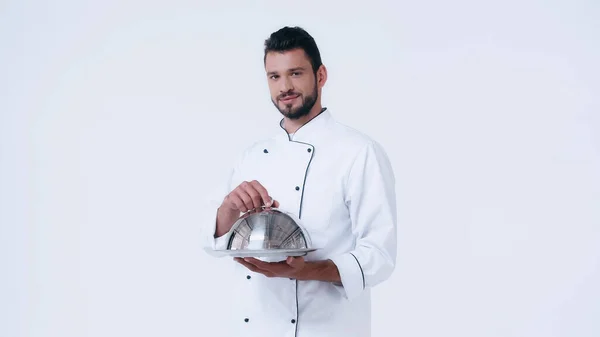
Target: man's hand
292,267
295,268
245,197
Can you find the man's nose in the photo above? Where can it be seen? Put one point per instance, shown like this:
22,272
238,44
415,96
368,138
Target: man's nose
286,85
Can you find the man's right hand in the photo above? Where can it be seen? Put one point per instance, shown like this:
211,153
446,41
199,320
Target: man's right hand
245,197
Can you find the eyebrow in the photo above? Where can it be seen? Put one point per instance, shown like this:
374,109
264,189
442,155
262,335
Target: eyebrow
289,70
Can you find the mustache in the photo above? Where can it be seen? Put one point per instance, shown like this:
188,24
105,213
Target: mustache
286,94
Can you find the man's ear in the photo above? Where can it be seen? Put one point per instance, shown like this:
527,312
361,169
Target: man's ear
321,76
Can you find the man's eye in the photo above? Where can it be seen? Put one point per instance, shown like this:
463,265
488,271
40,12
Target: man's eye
296,74
274,76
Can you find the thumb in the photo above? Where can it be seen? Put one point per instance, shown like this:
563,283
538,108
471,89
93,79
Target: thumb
275,204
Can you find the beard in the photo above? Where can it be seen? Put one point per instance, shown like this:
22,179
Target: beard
304,109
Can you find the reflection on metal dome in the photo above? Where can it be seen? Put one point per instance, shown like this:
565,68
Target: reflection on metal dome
266,229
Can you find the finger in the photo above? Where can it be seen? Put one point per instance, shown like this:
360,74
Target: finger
277,268
264,266
254,268
254,195
257,263
275,203
237,202
248,265
262,191
242,195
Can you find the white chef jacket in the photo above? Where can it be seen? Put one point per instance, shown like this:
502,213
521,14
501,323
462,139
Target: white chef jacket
340,186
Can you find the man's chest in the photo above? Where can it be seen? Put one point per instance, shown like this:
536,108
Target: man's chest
307,181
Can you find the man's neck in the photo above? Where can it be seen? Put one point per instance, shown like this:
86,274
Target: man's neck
292,125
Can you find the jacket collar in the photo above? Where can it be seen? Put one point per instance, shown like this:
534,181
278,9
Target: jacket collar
310,130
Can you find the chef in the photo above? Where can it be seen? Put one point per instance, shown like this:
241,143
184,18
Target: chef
336,181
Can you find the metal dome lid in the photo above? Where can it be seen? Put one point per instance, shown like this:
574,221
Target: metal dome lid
266,232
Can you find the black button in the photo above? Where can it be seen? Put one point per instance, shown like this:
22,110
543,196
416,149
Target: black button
309,150
293,321
265,151
248,277
297,188
246,320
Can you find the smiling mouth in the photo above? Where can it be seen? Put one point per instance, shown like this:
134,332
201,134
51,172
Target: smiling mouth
289,98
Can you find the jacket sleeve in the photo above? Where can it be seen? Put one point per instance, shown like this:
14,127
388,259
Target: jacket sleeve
371,200
208,214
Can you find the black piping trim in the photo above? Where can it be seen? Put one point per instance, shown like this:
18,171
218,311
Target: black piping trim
305,174
361,270
288,135
299,217
301,202
297,315
312,154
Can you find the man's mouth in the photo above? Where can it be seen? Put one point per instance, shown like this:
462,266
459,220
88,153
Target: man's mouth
288,98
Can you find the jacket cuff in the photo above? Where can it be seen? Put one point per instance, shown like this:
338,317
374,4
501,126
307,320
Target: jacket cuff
351,275
210,243
221,242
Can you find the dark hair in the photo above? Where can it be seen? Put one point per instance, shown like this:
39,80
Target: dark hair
288,38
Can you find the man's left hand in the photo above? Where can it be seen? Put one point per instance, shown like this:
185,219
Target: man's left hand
291,268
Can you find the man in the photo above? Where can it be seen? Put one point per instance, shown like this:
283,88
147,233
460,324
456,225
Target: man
337,181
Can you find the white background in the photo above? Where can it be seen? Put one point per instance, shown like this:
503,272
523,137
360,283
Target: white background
116,117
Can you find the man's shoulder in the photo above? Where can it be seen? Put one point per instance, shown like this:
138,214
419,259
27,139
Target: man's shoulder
361,148
352,137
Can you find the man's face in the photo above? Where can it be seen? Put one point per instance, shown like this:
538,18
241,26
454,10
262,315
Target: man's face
292,82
